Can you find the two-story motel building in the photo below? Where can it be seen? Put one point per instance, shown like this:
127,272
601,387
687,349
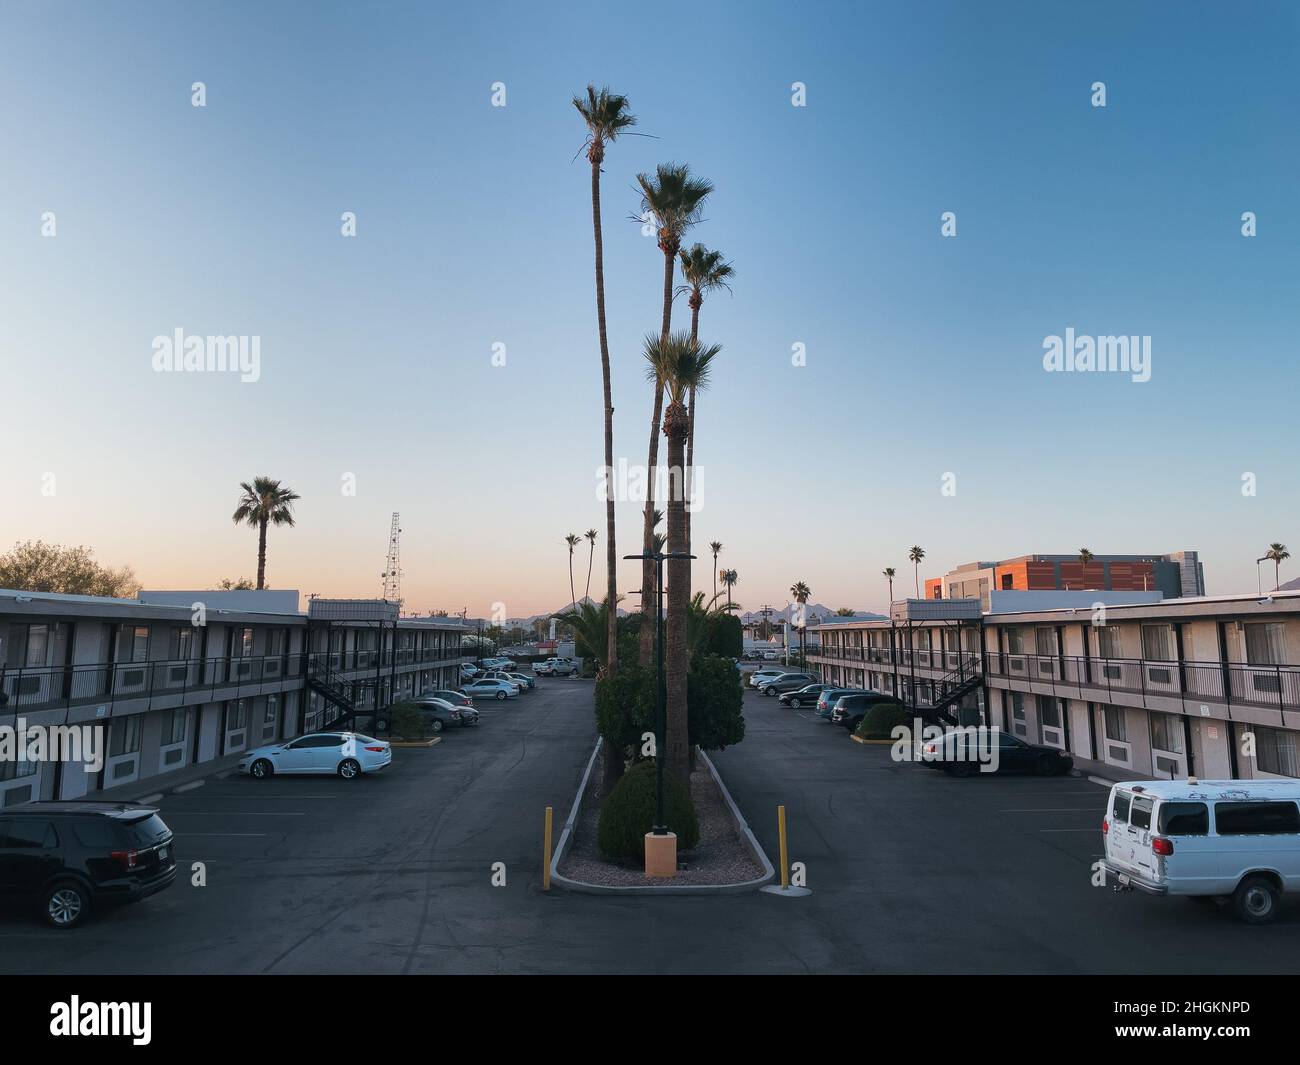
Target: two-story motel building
1206,686
177,679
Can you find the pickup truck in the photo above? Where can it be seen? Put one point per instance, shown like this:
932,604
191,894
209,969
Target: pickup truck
555,667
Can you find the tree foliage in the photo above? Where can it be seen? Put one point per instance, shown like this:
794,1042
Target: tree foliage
714,699
36,566
629,813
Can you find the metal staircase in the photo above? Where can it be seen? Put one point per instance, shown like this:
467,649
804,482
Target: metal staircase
334,689
951,690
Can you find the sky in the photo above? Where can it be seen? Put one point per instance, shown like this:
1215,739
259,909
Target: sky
921,413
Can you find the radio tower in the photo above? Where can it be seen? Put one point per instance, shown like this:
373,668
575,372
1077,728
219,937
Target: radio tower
393,567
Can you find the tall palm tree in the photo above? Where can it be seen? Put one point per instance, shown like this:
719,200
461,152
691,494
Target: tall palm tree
681,366
674,199
716,548
264,502
915,555
606,116
889,574
801,595
729,577
573,540
1085,556
1279,554
590,535
703,271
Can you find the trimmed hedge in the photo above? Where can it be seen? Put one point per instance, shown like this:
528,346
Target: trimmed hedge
880,720
629,813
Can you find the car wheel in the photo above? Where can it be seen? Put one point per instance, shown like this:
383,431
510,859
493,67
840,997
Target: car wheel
794,704
501,695
66,904
349,769
1255,900
381,725
261,769
436,726
770,691
1045,766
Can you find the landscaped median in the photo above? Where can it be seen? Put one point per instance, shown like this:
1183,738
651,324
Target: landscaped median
725,857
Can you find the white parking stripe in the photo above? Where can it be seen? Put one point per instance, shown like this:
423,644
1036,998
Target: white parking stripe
232,813
243,835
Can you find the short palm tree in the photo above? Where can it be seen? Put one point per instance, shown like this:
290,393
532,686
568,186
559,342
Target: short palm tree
889,574
674,199
606,116
801,596
682,367
264,502
729,577
915,555
1085,556
573,540
590,536
716,547
1279,554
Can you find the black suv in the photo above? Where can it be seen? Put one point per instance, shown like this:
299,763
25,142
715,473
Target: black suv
850,709
69,857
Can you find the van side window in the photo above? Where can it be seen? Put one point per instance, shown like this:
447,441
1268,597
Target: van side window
1120,812
1257,818
1184,819
1140,816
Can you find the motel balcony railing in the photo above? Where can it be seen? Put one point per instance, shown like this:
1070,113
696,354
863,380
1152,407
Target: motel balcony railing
181,681
902,658
349,661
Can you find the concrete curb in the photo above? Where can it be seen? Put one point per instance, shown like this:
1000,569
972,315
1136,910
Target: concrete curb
583,888
886,743
416,743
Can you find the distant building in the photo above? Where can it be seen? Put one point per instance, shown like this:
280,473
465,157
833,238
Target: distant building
1177,575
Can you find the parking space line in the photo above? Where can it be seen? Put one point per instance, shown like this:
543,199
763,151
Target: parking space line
188,787
1054,810
233,813
242,835
1069,830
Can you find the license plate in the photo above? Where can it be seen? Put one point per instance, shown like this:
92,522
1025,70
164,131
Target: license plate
1123,879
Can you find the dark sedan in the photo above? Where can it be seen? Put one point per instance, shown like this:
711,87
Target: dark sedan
787,682
805,696
965,752
850,709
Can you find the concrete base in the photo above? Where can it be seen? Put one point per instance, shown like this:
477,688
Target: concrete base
661,854
786,892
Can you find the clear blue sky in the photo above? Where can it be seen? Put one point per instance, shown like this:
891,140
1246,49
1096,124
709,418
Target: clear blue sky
924,354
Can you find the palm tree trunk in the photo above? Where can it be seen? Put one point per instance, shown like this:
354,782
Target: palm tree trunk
573,598
591,557
676,646
690,431
649,608
261,554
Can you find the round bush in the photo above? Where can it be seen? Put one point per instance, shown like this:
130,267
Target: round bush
629,813
880,720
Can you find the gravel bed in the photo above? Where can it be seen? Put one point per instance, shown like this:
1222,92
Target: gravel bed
720,857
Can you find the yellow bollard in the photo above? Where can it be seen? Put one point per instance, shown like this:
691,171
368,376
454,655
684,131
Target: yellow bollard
785,855
546,854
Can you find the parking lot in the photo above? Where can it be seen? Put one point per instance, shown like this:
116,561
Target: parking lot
911,871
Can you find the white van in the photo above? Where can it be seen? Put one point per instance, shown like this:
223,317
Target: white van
1206,839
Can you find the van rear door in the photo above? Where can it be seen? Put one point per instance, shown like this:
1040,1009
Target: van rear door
1126,842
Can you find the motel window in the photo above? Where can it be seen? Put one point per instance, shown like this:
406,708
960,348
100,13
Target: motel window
244,642
182,642
1049,711
133,643
1275,752
1015,642
1157,643
1166,732
15,768
173,727
38,645
1264,646
237,716
1116,728
272,710
1045,640
276,641
124,737
1109,644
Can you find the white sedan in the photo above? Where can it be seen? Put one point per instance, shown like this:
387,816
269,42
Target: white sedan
349,754
491,689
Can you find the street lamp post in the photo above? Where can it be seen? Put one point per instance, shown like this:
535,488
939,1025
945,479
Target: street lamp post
661,681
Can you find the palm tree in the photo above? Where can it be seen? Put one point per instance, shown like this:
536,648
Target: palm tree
889,574
264,502
729,577
606,116
587,620
1279,554
716,548
674,199
573,540
590,535
1085,556
681,366
703,271
915,555
801,596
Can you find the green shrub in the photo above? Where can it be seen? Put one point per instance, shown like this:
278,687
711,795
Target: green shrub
714,698
880,720
629,813
407,720
725,636
625,705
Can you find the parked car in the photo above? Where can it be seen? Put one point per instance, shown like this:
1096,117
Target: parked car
771,656
468,716
455,697
556,667
957,753
761,676
439,713
805,696
69,858
786,682
501,675
492,689
349,754
468,671
524,679
827,699
850,709
1233,840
